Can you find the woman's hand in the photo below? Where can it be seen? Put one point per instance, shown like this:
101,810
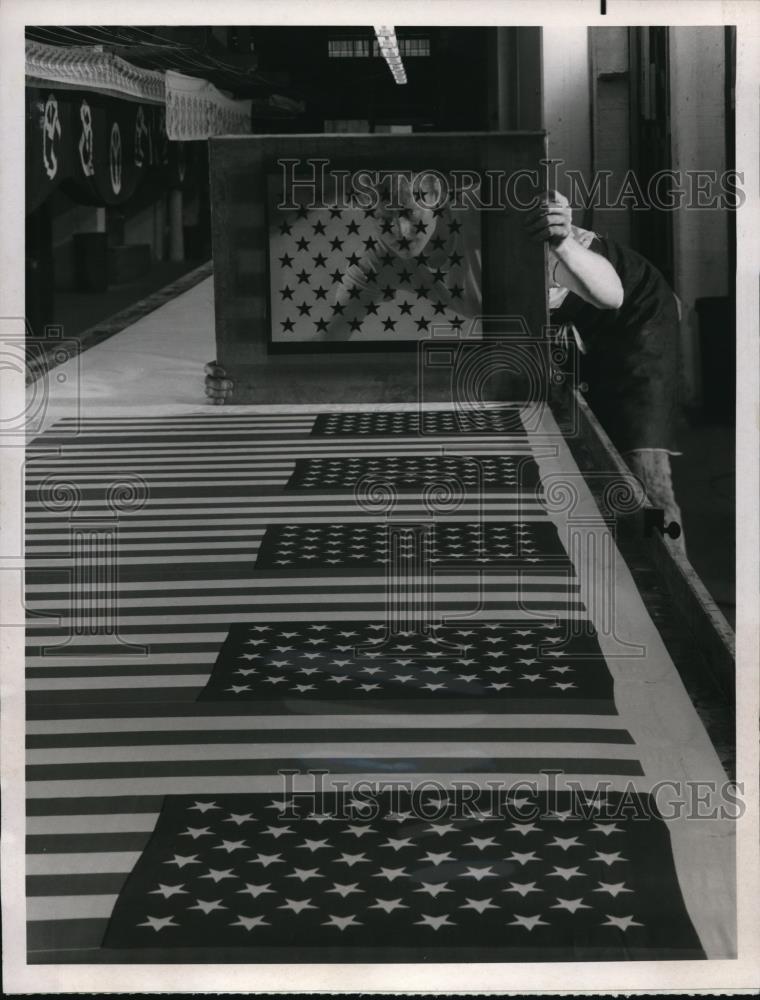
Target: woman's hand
218,386
551,221
583,271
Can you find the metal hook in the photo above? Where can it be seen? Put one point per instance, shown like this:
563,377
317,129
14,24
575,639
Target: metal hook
654,519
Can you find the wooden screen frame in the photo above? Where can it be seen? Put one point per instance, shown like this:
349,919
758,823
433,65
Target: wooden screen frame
498,367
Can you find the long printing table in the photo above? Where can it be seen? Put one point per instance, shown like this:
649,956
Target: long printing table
224,600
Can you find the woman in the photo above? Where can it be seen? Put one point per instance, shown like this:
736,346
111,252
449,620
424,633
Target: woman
612,307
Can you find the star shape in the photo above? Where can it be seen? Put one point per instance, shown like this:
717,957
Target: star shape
622,923
230,845
181,860
278,831
481,905
297,905
267,859
528,922
562,816
304,874
605,828
566,873
195,832
522,858
352,859
613,888
388,905
167,891
342,922
217,874
523,828
479,873
250,922
437,859
397,843
481,843
441,828
281,805
434,888
564,842
608,859
435,922
522,887
158,923
314,845
344,890
255,890
208,906
570,904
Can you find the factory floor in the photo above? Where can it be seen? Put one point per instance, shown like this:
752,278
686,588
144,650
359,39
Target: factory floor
77,312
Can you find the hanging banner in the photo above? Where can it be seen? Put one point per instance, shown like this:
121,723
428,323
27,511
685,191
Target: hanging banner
98,148
196,109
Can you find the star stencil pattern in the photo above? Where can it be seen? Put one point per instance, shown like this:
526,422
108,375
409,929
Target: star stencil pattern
314,243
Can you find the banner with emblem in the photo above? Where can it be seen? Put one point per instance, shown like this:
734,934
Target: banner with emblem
99,149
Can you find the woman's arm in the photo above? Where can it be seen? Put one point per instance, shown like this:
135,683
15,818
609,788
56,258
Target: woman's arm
588,274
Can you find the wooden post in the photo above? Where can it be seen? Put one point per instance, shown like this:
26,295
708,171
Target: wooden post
518,79
176,234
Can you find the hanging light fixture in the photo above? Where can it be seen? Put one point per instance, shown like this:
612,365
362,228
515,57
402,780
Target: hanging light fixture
388,45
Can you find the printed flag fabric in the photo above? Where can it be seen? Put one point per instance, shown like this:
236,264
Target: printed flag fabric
354,666
504,420
426,877
219,604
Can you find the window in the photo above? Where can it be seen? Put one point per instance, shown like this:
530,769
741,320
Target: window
408,47
347,48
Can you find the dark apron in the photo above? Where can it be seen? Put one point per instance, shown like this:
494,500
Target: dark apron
630,366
